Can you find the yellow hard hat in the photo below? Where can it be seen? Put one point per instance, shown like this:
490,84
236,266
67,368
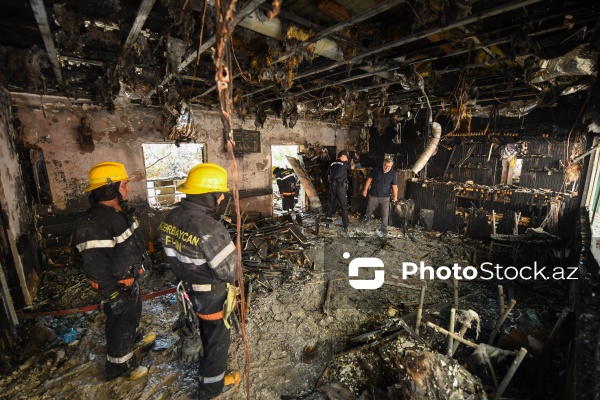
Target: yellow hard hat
104,173
205,178
273,170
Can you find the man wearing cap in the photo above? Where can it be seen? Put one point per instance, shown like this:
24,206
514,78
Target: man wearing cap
113,251
381,180
202,255
338,187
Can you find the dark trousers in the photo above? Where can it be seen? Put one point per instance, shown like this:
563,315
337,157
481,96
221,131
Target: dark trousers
372,205
120,332
338,192
215,339
288,202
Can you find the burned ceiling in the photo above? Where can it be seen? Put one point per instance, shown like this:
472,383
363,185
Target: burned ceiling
367,63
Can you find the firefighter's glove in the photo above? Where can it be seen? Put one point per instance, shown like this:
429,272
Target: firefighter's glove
189,347
118,301
230,303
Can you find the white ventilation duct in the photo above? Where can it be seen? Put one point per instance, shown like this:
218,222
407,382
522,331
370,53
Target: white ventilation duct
430,148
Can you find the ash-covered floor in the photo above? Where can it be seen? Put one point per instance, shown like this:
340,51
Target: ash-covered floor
302,348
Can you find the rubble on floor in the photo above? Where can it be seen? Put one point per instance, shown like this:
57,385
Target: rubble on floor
311,335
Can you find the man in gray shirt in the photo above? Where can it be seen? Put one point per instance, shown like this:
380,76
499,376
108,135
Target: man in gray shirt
381,180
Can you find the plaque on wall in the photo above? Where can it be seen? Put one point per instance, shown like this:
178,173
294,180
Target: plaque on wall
246,141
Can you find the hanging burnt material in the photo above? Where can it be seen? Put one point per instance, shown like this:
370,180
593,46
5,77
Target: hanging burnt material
289,114
241,104
184,129
362,145
176,121
294,37
86,139
260,118
176,51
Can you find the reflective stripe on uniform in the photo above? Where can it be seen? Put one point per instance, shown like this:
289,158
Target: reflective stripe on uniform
211,317
202,288
119,360
212,379
214,263
106,243
287,177
169,252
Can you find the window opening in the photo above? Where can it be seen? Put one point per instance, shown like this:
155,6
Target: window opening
167,166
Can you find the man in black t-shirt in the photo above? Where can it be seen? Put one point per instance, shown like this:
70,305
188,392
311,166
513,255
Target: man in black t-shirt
381,180
338,187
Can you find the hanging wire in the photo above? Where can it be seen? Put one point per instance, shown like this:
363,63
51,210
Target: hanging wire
198,53
238,65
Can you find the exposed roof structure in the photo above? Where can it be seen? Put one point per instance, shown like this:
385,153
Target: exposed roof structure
354,62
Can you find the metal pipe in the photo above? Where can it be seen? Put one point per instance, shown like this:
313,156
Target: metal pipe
451,330
501,297
513,368
501,321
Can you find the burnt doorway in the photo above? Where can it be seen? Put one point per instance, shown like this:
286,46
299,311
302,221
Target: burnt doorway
279,154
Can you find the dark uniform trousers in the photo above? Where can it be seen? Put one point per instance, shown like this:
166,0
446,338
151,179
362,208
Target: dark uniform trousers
215,339
287,202
120,330
338,191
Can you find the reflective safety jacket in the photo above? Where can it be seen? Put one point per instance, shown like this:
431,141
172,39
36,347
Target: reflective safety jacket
197,246
111,245
286,181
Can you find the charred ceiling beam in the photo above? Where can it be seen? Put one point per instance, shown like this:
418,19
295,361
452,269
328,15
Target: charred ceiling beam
138,24
490,43
196,78
475,40
389,69
509,97
482,45
409,39
357,90
323,86
324,47
422,35
250,7
42,19
80,61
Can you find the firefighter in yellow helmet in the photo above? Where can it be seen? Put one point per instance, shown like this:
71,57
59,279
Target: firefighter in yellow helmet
202,256
113,251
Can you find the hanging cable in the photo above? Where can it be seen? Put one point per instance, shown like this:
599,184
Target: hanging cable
198,53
